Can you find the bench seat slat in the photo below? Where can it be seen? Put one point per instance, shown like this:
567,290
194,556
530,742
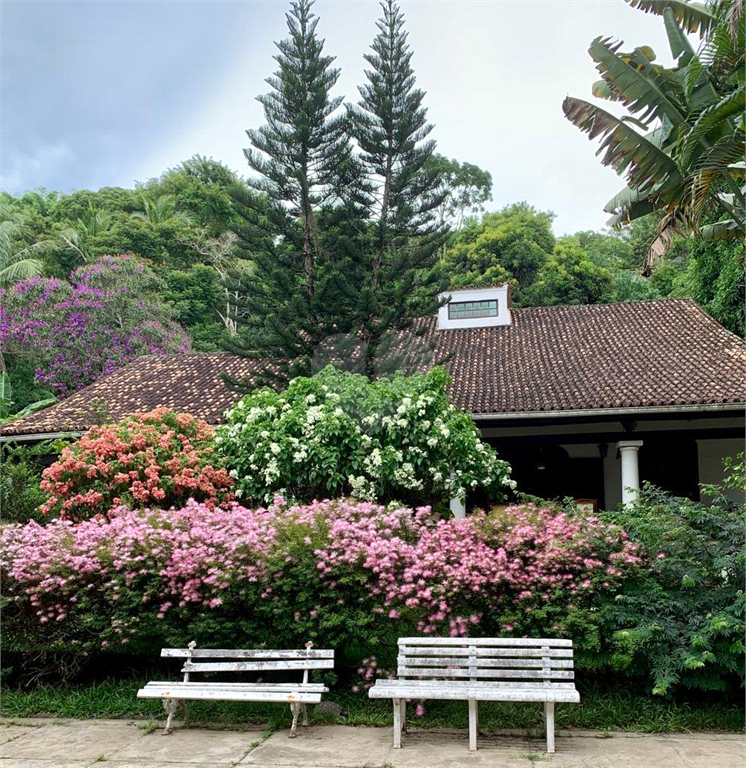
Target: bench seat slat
559,674
307,687
230,653
228,693
486,653
463,684
515,642
464,662
510,693
257,666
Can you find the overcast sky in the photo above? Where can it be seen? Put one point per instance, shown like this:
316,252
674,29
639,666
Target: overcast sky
106,93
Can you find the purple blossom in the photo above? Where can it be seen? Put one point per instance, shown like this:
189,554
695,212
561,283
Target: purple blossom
75,332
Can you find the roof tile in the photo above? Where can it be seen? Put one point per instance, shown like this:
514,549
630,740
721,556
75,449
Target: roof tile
569,358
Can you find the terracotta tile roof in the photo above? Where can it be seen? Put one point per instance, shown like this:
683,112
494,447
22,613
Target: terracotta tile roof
189,383
631,355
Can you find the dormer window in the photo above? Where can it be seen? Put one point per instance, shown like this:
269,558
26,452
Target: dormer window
474,307
461,310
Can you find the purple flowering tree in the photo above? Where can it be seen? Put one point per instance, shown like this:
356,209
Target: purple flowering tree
74,332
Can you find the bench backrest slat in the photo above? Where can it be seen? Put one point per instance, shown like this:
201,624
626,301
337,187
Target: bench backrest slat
436,685
250,660
531,674
486,652
480,663
257,666
476,659
230,653
510,642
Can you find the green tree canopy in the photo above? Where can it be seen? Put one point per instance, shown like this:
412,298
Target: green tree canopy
511,245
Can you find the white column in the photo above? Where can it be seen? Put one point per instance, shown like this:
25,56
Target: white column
630,470
458,510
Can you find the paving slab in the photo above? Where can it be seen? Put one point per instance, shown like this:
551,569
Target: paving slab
11,733
72,741
78,744
195,746
53,763
340,746
346,747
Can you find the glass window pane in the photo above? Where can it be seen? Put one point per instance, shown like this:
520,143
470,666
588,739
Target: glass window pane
463,310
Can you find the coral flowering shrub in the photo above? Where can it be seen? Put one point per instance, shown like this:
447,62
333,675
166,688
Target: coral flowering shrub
347,575
160,458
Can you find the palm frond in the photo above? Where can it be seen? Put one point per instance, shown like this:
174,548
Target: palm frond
625,150
693,17
715,117
19,270
633,82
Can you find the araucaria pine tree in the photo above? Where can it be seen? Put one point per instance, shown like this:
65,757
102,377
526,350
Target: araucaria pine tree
390,127
304,160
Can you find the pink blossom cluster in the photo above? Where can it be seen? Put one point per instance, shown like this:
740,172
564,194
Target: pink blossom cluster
305,564
165,558
517,558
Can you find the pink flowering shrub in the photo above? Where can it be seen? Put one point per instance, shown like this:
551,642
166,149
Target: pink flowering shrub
160,458
352,576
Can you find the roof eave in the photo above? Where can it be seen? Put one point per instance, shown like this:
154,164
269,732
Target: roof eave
27,437
632,411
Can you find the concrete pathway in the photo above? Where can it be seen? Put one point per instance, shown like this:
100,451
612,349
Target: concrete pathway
122,744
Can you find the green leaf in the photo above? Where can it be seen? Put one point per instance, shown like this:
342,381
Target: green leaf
680,45
633,85
626,150
5,395
693,17
712,118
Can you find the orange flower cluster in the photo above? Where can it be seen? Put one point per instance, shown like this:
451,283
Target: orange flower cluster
160,458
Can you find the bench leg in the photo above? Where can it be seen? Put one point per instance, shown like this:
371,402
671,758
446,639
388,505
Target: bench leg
403,707
473,724
549,724
305,714
294,708
397,723
170,706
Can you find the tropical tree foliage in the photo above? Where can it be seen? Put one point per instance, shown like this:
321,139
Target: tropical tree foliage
19,261
682,145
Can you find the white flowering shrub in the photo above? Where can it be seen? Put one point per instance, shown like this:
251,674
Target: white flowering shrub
337,434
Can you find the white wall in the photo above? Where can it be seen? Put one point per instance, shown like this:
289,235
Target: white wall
710,455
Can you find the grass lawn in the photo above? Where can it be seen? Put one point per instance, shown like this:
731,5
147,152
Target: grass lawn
597,711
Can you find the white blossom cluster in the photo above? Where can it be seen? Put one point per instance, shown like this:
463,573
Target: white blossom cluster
335,434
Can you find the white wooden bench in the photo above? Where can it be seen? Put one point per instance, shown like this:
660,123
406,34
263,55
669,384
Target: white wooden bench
480,669
220,660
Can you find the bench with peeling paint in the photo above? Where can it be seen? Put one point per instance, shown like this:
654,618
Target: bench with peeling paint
480,669
222,660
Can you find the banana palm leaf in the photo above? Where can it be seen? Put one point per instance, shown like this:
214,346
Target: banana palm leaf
693,17
681,48
715,117
646,165
630,213
634,86
721,230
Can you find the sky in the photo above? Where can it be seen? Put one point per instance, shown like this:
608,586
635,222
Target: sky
112,92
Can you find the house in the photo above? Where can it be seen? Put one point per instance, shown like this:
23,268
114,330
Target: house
583,401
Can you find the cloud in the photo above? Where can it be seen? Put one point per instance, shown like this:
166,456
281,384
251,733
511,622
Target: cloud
132,88
46,160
